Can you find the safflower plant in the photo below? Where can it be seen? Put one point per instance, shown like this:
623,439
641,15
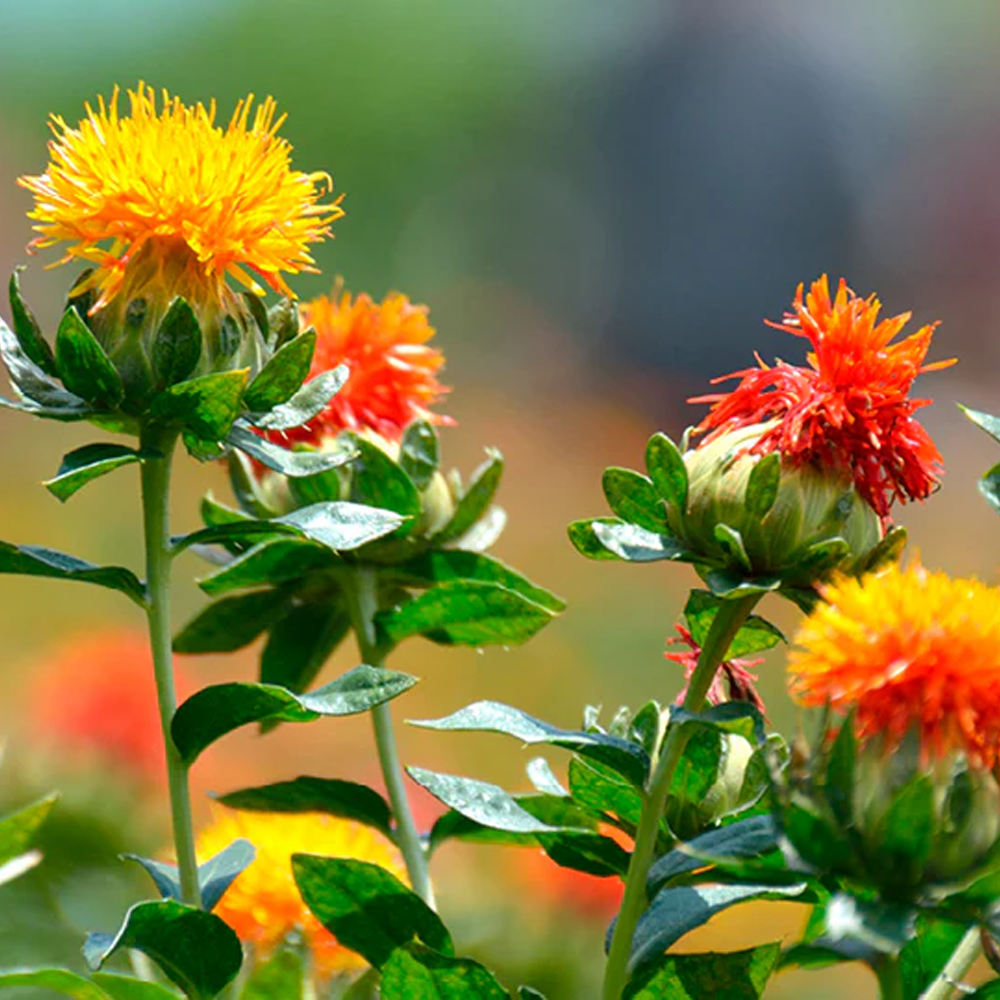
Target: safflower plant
344,527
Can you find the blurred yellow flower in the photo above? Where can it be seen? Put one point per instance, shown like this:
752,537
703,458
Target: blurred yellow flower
263,905
908,649
171,190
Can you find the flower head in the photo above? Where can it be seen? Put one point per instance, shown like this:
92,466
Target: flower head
735,673
393,370
169,190
849,410
908,650
94,698
263,905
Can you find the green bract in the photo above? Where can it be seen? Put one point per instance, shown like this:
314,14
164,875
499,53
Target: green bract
747,523
153,364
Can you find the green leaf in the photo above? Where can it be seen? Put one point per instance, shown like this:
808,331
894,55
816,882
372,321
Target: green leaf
309,402
591,853
342,525
245,532
61,981
243,478
366,907
39,393
541,775
620,755
195,949
442,565
376,480
633,497
220,708
119,987
276,560
177,346
84,367
906,834
989,487
82,465
215,875
923,958
469,613
34,560
815,835
585,541
731,542
527,993
283,375
207,405
232,623
984,421
301,642
747,838
635,544
762,485
888,550
414,972
675,912
838,779
736,975
598,787
283,321
29,333
345,799
667,470
418,453
755,635
17,831
483,803
278,459
865,928
280,977
730,586
476,499
694,777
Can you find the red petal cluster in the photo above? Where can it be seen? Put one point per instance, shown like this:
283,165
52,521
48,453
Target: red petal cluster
849,410
735,673
393,370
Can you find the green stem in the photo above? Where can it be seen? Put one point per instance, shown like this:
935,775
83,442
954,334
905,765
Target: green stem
962,958
362,599
727,622
159,448
890,979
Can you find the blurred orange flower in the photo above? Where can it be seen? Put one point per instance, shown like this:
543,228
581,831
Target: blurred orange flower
263,905
393,370
849,410
175,190
907,649
95,696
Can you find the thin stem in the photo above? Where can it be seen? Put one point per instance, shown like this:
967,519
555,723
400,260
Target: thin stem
362,600
962,958
890,979
727,622
159,449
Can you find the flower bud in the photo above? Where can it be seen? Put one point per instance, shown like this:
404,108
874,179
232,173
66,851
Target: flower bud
688,818
723,523
132,331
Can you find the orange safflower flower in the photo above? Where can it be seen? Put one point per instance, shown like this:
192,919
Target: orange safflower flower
94,699
907,649
849,410
263,905
393,370
170,190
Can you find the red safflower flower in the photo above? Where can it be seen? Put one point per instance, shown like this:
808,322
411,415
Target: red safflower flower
734,673
393,371
849,410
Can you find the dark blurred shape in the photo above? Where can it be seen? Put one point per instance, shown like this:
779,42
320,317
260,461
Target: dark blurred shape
726,187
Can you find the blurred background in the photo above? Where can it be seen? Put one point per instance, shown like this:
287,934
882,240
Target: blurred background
600,203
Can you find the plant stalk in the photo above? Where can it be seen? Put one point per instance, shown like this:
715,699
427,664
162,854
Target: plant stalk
962,959
362,598
727,622
890,979
158,445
